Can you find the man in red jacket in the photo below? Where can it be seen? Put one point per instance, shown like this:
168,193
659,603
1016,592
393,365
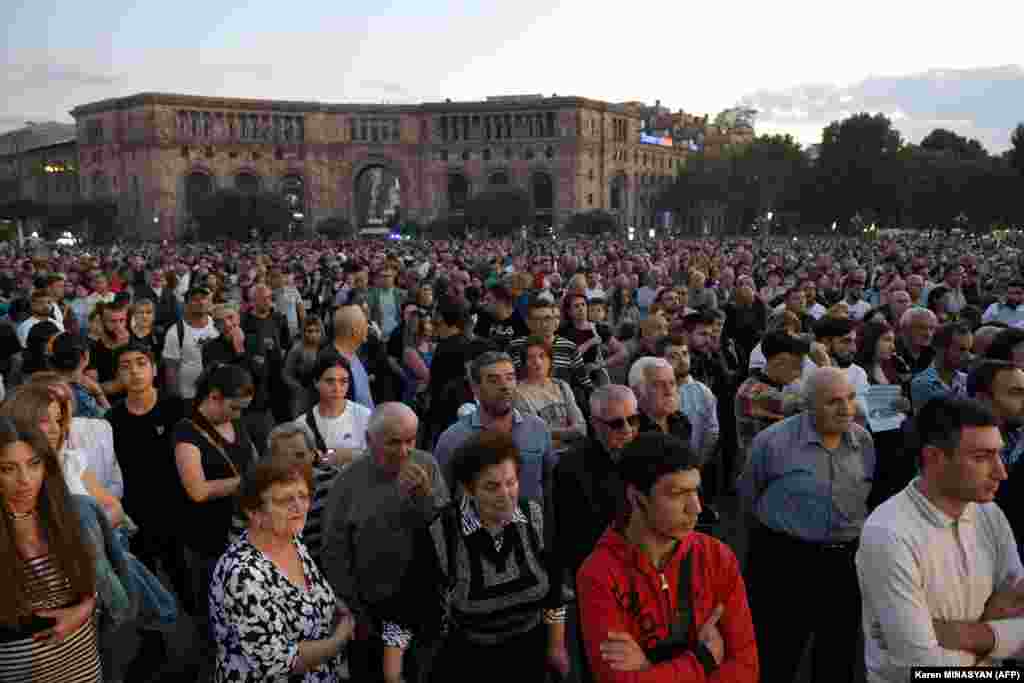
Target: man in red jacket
658,600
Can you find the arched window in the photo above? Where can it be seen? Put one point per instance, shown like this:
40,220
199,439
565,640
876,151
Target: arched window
617,199
293,190
498,178
198,186
458,192
543,192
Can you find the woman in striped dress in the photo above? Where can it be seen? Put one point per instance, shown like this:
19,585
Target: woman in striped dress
47,630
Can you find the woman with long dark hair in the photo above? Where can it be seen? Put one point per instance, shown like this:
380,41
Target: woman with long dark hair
47,631
877,355
883,365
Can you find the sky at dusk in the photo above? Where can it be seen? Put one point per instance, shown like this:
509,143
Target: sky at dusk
700,58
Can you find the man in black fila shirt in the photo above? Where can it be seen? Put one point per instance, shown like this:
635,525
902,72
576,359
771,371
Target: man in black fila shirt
500,322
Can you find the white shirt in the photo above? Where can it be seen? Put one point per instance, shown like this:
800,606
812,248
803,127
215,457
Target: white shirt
93,440
74,467
916,564
758,361
184,281
57,315
348,430
189,353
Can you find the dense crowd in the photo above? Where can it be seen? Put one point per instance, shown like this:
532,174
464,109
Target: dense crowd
406,460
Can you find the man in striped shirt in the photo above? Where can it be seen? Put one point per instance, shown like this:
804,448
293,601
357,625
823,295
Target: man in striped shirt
566,362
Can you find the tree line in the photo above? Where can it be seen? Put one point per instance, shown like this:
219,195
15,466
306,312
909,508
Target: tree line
862,173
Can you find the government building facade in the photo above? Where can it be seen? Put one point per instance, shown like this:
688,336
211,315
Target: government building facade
159,155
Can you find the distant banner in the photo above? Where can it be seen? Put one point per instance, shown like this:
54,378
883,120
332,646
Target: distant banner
654,140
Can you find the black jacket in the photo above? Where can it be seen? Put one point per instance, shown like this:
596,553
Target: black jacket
587,495
448,377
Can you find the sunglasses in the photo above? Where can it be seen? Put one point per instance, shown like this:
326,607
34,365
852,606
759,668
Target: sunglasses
619,423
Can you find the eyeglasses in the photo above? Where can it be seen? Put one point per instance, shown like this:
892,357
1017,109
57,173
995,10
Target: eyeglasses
298,500
619,423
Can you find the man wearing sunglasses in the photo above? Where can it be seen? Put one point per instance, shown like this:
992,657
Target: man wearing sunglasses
587,491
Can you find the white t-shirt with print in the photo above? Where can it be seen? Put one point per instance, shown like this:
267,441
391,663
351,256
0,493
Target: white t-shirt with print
348,430
190,353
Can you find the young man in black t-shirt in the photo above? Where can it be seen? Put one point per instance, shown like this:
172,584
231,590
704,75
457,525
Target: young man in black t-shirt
143,423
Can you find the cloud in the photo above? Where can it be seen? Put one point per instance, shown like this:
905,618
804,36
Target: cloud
983,103
389,87
53,74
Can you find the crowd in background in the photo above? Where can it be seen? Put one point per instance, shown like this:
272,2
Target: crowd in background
406,460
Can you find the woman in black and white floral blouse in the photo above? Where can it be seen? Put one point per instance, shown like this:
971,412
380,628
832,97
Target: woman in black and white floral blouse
273,615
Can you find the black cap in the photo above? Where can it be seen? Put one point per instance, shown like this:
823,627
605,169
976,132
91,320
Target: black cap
828,328
200,290
774,343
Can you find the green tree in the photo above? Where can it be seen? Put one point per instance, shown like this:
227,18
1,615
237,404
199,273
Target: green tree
949,143
596,222
858,168
101,217
1016,153
500,211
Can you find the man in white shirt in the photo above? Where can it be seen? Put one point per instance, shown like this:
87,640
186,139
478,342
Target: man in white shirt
854,294
939,572
1010,311
183,352
40,303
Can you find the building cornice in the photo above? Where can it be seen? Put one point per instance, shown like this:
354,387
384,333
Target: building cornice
289,106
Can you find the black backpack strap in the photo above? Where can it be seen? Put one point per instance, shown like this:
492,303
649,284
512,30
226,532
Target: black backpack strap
180,325
320,443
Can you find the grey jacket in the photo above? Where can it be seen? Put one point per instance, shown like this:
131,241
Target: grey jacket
369,528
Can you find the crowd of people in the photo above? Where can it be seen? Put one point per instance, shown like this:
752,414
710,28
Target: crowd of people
410,460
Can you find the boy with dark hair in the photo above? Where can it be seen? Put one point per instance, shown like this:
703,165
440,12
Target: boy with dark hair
652,557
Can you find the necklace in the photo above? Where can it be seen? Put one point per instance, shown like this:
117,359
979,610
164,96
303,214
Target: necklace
22,515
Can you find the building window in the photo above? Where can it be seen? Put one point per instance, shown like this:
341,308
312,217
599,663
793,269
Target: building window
529,154
508,153
466,155
590,199
486,155
549,152
590,174
443,154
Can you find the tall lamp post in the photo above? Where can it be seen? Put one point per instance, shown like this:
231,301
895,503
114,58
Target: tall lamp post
961,221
